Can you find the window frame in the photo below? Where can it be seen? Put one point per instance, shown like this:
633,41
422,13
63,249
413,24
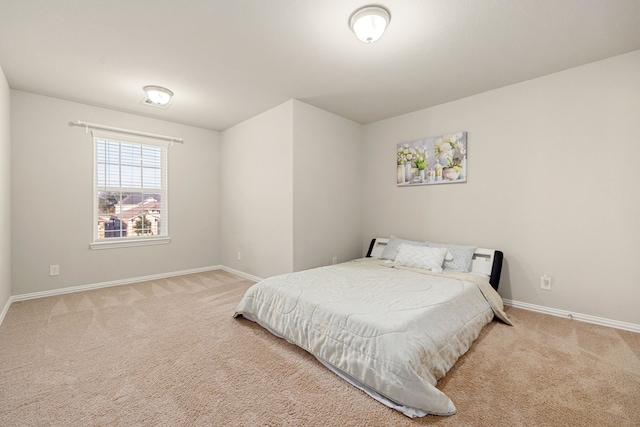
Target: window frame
138,240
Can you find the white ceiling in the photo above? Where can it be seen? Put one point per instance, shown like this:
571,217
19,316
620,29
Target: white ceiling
228,60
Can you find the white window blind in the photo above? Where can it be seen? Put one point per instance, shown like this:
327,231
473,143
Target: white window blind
130,190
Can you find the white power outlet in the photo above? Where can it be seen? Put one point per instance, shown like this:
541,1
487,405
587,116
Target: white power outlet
54,270
239,256
334,260
545,282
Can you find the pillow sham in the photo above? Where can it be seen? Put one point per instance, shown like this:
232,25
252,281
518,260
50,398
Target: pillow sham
391,250
421,257
462,256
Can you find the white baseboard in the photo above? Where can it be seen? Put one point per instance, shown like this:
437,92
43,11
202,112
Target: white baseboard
80,288
575,316
4,310
241,274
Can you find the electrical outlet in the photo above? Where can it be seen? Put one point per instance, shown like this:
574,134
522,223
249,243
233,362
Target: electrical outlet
545,282
334,260
239,256
54,270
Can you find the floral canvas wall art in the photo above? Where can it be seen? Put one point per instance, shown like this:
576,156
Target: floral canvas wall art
436,160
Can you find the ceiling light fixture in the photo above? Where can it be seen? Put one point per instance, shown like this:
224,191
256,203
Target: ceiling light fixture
369,23
158,95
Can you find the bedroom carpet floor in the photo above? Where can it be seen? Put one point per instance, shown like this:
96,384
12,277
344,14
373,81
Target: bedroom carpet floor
169,353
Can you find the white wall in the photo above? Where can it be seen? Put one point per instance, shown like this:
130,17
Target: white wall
5,193
52,198
327,183
291,190
552,181
257,194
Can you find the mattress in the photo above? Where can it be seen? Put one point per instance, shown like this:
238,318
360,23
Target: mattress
395,331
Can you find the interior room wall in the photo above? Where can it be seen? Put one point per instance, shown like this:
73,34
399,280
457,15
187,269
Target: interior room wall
327,183
5,193
291,195
257,194
552,181
52,198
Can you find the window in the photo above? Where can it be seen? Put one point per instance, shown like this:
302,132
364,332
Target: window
130,191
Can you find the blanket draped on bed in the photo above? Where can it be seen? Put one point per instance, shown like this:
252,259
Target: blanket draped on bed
394,330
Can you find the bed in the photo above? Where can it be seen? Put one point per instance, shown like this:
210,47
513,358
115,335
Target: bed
392,323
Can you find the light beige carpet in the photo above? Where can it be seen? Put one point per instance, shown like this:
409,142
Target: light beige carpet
168,353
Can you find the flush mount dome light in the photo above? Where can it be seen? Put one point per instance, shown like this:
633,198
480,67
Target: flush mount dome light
369,23
158,95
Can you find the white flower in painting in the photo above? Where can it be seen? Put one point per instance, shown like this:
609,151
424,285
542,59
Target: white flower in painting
421,158
462,148
443,147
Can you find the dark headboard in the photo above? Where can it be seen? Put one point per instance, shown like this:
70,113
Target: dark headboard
486,261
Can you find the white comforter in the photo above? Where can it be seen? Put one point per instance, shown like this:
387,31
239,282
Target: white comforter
396,331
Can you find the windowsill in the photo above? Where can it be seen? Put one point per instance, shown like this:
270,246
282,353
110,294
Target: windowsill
113,243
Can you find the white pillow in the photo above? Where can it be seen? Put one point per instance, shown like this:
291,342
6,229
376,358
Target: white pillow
391,250
421,257
460,259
